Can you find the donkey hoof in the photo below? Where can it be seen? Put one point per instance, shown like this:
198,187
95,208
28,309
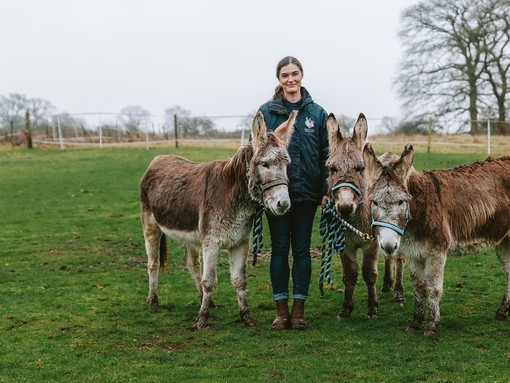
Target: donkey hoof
201,325
413,326
430,330
386,288
248,320
398,297
500,315
344,313
152,301
373,314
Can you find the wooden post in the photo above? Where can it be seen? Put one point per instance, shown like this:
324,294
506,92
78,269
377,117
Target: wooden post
429,134
175,132
489,137
28,131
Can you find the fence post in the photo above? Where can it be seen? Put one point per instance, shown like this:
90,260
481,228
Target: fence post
28,131
488,137
60,134
429,134
175,132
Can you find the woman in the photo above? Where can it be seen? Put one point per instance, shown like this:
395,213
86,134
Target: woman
307,172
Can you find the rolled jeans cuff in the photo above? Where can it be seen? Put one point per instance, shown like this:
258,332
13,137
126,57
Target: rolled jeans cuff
281,297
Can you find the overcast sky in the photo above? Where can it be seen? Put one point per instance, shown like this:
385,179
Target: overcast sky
211,57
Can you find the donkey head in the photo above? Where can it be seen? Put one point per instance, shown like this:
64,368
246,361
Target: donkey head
267,170
346,180
388,195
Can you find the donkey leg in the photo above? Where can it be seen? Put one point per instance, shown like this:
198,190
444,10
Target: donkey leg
152,235
503,253
398,292
369,270
209,283
419,293
349,278
194,267
434,277
237,261
388,274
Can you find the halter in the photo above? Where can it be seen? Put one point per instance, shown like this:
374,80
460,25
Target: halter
356,189
258,241
273,183
388,226
391,226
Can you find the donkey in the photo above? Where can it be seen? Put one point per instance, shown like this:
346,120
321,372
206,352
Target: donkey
211,206
438,209
346,185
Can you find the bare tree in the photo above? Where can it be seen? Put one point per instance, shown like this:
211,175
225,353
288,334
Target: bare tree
133,118
497,60
187,125
71,125
346,123
388,124
445,57
12,109
40,112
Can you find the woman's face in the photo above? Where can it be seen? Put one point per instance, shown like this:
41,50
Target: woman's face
290,77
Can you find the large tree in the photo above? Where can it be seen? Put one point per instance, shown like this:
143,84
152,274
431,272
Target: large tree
443,72
497,60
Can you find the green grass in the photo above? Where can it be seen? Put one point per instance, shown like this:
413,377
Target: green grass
73,284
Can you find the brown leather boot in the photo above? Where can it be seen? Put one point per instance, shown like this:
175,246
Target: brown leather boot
297,316
282,320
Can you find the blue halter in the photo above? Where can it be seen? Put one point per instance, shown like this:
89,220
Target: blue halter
388,226
349,185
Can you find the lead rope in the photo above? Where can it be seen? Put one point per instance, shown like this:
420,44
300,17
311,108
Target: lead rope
333,238
332,230
258,242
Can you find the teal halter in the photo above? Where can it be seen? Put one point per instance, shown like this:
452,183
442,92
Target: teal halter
388,226
348,185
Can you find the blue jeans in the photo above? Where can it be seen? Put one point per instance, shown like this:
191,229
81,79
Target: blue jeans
292,229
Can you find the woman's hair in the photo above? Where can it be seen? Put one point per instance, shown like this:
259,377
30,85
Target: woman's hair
284,62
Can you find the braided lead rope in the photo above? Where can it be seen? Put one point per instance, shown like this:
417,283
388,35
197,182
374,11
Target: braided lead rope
333,238
343,222
323,230
332,230
258,242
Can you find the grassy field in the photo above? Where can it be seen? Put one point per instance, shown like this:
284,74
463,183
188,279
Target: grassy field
73,284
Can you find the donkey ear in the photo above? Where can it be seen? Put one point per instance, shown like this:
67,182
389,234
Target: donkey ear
334,133
405,163
285,130
258,129
372,164
359,135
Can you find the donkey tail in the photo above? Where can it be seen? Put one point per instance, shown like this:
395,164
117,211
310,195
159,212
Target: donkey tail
163,253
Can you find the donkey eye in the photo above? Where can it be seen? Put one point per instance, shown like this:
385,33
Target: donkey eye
360,169
401,202
375,203
265,165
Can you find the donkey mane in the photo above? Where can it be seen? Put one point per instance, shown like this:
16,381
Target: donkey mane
235,168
